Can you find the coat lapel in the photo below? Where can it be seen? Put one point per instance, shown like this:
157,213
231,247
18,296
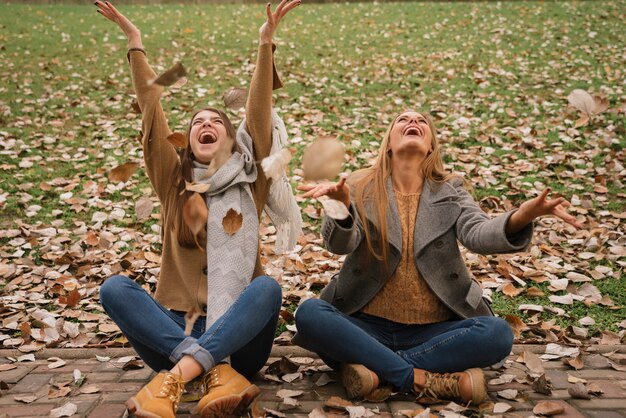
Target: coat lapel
437,213
394,229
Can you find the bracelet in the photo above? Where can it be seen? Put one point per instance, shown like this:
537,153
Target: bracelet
143,51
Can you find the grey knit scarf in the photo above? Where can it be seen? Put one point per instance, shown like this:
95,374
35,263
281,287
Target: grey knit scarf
230,257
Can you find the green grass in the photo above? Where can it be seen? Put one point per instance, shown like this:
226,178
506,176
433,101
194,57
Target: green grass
65,101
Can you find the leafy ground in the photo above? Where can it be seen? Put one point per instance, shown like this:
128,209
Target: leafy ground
494,75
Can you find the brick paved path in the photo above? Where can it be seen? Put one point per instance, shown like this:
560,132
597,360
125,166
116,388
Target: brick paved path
114,385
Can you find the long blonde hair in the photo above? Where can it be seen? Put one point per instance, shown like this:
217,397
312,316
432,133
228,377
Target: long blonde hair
371,184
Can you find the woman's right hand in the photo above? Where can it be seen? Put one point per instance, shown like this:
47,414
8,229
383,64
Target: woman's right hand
109,11
337,191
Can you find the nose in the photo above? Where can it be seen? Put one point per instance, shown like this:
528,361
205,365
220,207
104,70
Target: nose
207,123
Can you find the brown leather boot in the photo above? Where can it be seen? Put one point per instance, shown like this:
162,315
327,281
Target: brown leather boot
159,398
226,393
466,387
358,380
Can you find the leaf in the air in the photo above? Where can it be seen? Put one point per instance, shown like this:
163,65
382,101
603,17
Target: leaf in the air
195,213
123,172
171,76
323,159
334,208
197,187
235,98
143,208
232,221
178,140
274,165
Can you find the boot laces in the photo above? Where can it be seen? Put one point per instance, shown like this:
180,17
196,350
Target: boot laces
441,385
210,380
172,388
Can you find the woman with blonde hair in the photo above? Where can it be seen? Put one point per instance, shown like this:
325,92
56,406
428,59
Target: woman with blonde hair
210,260
404,309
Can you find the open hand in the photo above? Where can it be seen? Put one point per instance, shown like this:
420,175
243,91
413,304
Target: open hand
266,32
109,11
337,191
541,206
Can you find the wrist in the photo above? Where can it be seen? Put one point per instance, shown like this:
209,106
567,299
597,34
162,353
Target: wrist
265,40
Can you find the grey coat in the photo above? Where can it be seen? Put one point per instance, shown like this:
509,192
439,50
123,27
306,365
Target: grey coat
446,213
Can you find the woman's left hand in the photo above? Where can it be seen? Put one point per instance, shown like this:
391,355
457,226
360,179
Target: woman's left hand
540,206
266,32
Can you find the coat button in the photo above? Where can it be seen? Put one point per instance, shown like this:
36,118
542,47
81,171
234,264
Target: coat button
205,270
203,308
438,244
454,276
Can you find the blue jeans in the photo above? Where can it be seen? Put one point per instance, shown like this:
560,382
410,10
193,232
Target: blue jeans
245,332
393,350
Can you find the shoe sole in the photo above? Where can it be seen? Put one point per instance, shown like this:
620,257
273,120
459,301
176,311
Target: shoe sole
231,405
352,378
133,407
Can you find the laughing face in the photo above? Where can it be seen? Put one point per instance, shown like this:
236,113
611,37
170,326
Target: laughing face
410,133
208,136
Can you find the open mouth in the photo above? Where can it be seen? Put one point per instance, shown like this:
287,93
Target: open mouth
413,130
207,138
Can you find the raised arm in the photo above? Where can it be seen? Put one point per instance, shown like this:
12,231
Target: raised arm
160,157
264,80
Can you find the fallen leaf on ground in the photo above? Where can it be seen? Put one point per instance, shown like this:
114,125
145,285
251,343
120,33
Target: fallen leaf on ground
66,410
579,391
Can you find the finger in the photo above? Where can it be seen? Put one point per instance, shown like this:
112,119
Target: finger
292,5
570,219
544,194
341,183
280,7
555,202
268,12
305,187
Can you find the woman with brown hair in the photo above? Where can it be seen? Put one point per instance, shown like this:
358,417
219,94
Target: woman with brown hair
403,309
210,260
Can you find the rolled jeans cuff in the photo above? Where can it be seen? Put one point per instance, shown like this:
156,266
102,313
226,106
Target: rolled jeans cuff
190,347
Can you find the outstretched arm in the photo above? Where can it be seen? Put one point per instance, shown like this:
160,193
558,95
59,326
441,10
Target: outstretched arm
160,157
539,206
264,79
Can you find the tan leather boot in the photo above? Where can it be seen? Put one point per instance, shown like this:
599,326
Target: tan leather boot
226,393
466,387
358,380
159,398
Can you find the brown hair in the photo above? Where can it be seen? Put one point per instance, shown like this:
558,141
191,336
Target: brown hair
371,184
178,199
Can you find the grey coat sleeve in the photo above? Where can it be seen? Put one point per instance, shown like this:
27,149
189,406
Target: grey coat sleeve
484,235
342,238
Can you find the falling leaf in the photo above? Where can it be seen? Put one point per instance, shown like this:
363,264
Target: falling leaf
274,165
178,140
66,410
232,221
195,213
171,76
578,391
235,98
190,319
548,408
123,172
334,208
323,159
143,208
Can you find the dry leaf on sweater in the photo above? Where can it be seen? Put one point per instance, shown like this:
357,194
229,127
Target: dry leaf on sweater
178,140
172,76
195,213
123,172
232,221
235,99
323,159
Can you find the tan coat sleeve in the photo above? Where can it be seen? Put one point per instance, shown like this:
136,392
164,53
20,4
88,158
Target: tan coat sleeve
159,155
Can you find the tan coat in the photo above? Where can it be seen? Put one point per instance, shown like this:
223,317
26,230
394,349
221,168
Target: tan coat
182,282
